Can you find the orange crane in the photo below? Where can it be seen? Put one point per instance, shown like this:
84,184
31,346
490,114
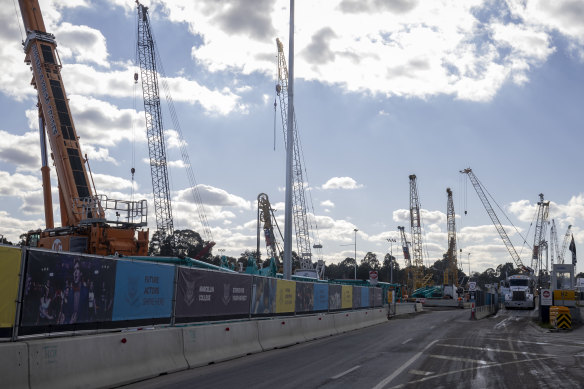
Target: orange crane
84,214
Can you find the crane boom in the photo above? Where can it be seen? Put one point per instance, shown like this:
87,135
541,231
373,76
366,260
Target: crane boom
452,269
299,208
479,189
416,229
154,127
540,230
84,215
554,250
565,244
407,258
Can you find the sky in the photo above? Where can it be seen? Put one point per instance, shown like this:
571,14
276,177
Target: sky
382,90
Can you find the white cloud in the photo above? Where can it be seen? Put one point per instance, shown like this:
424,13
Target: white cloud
17,184
327,204
341,183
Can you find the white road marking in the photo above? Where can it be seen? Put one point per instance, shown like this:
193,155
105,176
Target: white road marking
420,372
496,350
406,341
346,372
479,361
387,380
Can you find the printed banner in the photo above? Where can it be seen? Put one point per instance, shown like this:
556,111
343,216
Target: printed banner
285,296
263,296
335,297
321,297
304,297
378,297
202,293
357,296
65,288
347,297
143,291
365,297
9,278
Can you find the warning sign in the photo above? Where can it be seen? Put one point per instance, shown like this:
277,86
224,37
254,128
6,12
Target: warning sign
546,297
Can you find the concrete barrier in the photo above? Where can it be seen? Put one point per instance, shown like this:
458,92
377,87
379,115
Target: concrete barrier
403,308
219,342
377,315
484,311
13,365
318,326
105,360
347,321
280,332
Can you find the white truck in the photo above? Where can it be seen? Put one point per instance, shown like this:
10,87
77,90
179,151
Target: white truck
519,292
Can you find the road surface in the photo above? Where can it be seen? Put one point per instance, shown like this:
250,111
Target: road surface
434,349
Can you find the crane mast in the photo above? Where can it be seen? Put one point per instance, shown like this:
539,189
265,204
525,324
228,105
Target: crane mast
154,127
84,215
299,215
539,236
479,189
416,229
451,273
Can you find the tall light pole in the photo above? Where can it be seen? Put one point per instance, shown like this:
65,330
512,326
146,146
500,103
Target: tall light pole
391,242
355,252
468,266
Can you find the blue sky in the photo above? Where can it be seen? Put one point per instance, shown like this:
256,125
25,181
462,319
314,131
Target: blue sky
383,89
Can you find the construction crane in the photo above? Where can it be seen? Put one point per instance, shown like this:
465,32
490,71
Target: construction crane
150,67
407,258
299,209
90,222
416,230
451,272
481,193
154,127
543,208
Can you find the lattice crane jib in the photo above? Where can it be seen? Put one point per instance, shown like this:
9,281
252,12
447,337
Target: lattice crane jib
452,269
416,230
407,257
154,126
299,213
502,233
554,249
565,244
540,233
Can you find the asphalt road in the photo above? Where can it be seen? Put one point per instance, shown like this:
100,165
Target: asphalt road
433,349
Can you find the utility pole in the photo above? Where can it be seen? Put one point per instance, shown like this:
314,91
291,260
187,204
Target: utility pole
355,252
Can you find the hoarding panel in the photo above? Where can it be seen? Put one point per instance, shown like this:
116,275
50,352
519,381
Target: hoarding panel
263,296
66,288
204,293
321,297
335,297
364,297
143,291
10,258
357,296
304,297
347,297
285,296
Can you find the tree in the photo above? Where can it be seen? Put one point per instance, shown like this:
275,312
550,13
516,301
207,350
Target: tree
186,242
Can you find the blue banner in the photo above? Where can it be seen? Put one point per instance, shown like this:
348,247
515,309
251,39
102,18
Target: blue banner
143,291
321,297
365,297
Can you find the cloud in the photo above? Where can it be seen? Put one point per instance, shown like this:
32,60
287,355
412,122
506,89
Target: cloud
82,43
341,183
16,184
214,196
23,151
327,204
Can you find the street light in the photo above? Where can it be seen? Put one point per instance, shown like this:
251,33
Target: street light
355,252
391,242
468,258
